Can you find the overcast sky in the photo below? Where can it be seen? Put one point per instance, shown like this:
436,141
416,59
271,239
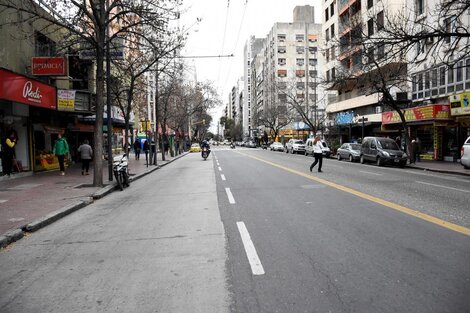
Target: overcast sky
224,29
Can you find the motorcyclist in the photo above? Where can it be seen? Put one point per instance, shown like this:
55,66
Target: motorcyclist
205,144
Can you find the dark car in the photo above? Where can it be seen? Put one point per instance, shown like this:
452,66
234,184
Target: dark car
382,151
350,151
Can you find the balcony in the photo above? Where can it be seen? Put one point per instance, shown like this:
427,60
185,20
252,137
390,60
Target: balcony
349,101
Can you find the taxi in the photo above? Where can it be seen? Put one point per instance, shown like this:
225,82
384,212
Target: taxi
195,148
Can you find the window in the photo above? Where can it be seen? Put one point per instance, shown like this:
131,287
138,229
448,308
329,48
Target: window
370,4
450,75
327,35
312,62
450,26
370,55
281,49
332,31
434,78
427,80
300,73
326,15
300,85
327,55
414,84
328,75
281,37
299,37
313,73
333,73
44,46
300,62
442,76
419,7
380,20
333,53
332,9
370,27
459,71
312,49
300,50
281,73
281,61
467,69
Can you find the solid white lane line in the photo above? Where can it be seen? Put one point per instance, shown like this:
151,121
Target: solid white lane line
231,199
220,169
440,186
371,173
222,176
255,263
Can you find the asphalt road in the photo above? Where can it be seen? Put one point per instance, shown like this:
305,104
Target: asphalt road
321,244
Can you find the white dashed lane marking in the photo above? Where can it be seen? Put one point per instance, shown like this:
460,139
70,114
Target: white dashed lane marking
252,255
231,199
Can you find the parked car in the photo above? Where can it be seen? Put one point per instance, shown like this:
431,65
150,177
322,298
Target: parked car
250,144
351,151
295,146
465,154
195,148
382,151
276,146
309,148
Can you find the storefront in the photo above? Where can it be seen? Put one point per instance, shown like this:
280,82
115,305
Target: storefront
432,126
460,111
18,95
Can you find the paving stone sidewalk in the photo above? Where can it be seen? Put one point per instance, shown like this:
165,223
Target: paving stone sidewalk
30,201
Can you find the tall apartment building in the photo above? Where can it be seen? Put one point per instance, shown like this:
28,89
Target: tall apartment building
252,47
291,60
234,108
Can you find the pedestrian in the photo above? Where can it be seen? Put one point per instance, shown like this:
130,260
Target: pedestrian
137,148
8,153
317,153
146,150
61,150
418,149
86,154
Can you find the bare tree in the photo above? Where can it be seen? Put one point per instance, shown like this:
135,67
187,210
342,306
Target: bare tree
96,24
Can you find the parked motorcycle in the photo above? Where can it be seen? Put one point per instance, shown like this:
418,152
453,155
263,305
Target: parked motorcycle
121,171
205,152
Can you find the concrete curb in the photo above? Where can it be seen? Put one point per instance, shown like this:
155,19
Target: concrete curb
16,234
426,169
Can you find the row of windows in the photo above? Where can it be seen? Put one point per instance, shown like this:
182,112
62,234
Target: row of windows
444,79
298,73
298,49
299,62
298,38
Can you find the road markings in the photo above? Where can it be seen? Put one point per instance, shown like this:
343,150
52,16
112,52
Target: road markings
371,173
253,259
440,186
231,199
395,206
222,176
220,169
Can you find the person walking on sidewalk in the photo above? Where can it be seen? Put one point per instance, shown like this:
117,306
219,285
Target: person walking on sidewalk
317,153
146,151
9,152
61,149
137,148
86,154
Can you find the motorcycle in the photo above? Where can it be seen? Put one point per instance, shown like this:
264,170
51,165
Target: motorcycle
232,145
205,152
121,171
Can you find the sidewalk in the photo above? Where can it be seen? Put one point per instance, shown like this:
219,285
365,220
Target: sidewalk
29,201
441,167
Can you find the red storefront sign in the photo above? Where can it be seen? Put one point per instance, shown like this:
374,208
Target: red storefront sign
49,66
429,112
18,88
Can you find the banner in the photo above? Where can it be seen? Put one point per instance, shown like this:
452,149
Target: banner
459,104
66,100
429,112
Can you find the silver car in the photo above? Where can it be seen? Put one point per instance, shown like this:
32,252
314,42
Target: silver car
295,146
465,154
276,146
350,151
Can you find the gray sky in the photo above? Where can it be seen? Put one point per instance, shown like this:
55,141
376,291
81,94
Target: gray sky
237,19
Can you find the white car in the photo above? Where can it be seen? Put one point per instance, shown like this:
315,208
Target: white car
309,148
295,146
276,146
465,154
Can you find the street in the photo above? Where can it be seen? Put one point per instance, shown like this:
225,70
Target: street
251,230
